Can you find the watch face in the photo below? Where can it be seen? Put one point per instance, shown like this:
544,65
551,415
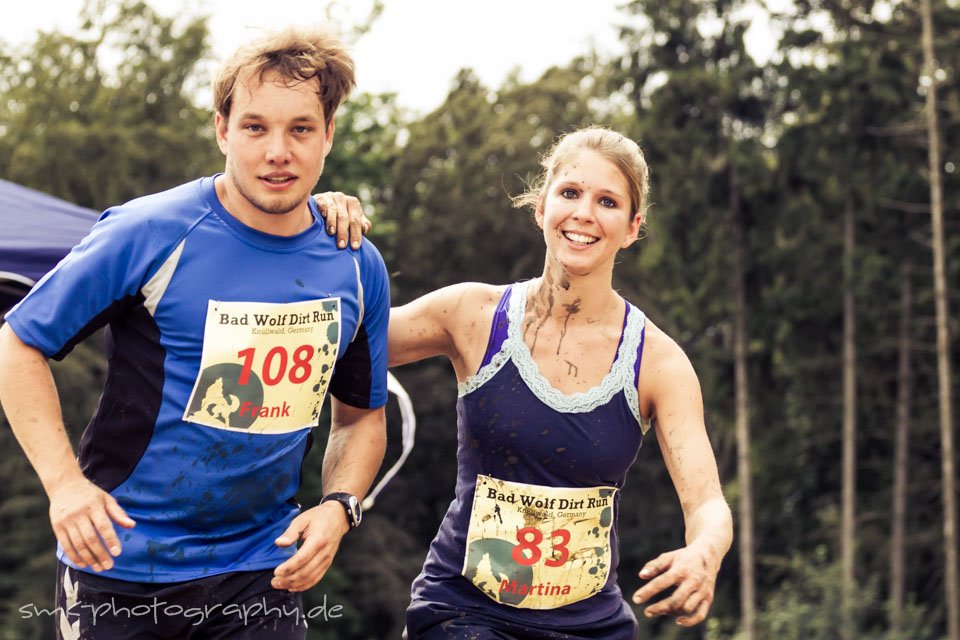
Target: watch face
355,511
350,504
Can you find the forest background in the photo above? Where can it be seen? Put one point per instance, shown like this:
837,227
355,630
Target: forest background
793,249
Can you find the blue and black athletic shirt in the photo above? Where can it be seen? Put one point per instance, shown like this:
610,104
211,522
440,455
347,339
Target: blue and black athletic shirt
222,343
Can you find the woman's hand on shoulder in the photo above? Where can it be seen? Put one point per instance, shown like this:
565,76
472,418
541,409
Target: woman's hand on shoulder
343,217
442,322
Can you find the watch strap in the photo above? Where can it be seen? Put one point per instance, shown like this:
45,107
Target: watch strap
350,503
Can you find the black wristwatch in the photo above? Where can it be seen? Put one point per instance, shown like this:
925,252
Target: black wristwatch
350,504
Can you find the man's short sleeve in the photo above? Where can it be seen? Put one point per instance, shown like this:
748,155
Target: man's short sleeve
98,279
360,376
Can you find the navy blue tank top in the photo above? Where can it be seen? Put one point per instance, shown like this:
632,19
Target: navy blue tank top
531,535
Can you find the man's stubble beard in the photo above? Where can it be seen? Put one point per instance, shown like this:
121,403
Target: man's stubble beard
280,208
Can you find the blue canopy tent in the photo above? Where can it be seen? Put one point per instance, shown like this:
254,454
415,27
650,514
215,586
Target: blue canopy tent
36,231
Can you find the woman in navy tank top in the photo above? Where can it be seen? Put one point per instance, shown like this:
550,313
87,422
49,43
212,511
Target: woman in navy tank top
559,380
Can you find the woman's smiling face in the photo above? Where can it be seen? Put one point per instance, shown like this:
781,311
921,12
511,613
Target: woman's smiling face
585,213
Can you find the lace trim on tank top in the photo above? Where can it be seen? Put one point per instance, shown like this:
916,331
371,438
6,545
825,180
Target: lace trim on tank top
620,377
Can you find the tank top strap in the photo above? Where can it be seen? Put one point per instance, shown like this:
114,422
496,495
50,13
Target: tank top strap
498,330
632,340
497,352
636,365
632,333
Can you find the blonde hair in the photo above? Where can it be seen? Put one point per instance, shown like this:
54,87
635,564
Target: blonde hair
297,55
623,152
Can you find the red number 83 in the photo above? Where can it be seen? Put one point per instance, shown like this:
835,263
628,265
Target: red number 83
529,539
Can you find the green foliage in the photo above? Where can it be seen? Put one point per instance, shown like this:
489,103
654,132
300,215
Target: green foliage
806,604
457,172
99,136
365,148
836,117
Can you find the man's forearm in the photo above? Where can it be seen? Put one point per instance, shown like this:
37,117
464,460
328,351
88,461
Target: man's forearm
32,406
354,450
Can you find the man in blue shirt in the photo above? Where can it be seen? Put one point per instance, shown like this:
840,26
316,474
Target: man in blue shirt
229,314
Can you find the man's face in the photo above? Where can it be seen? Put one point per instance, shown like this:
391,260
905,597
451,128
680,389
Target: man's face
275,142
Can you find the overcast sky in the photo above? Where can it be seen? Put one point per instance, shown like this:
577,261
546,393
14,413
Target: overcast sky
415,48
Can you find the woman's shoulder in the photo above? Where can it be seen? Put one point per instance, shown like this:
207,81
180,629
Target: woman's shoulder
656,340
662,355
667,377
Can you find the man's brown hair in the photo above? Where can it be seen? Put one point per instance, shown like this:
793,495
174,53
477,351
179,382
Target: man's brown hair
297,55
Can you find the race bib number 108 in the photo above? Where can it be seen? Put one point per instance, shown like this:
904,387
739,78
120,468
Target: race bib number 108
265,367
536,547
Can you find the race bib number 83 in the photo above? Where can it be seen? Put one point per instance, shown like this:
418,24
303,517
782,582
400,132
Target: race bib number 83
536,547
265,367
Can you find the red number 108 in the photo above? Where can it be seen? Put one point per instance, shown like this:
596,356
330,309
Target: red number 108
275,365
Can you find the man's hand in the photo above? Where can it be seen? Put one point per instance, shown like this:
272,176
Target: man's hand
344,218
320,529
693,571
82,515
